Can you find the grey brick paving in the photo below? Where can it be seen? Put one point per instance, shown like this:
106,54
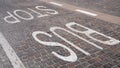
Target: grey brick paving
105,6
36,55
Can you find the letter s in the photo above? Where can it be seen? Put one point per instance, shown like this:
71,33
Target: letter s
49,11
71,58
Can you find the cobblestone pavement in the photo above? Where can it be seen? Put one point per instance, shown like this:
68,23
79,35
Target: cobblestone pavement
106,6
19,19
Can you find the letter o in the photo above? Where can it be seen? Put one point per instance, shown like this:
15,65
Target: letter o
29,18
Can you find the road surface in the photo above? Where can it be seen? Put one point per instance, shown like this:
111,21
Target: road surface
59,34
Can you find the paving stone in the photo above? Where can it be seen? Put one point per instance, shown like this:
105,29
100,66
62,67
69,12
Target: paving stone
115,66
79,66
92,61
118,65
34,54
85,65
64,66
107,65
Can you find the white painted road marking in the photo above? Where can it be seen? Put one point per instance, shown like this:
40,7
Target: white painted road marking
15,16
14,59
71,58
30,16
86,12
69,26
52,29
54,3
95,14
89,32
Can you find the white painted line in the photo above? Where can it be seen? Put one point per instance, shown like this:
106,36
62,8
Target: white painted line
86,12
14,59
73,23
88,32
54,3
72,56
52,29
